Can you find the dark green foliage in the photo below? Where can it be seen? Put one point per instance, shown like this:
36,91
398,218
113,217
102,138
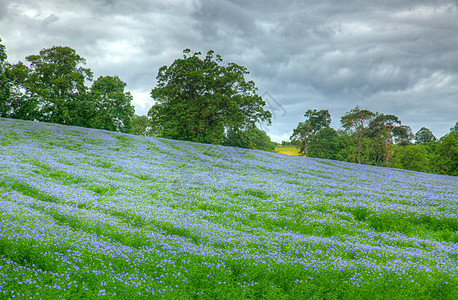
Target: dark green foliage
22,102
384,128
4,82
411,157
355,123
324,144
346,145
260,140
3,55
58,82
198,99
113,108
373,151
237,138
424,135
403,135
447,155
454,129
376,139
52,89
315,121
141,125
252,138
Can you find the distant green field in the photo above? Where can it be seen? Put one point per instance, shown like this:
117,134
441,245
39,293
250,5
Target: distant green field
88,213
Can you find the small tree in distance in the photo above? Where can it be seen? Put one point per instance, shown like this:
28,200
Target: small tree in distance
141,125
355,122
424,135
454,129
324,144
386,127
315,120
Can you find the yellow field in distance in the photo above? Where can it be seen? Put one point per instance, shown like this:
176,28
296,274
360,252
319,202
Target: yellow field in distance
287,150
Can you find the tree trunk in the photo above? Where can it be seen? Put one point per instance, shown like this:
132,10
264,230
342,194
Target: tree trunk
387,151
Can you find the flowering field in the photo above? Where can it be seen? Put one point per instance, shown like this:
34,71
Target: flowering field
288,150
87,213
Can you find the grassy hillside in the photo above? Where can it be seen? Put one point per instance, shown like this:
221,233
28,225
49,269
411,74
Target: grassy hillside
87,213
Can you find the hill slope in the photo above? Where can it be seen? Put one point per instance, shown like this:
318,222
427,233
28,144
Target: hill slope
86,213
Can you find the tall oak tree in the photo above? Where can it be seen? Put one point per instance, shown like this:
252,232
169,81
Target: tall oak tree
199,99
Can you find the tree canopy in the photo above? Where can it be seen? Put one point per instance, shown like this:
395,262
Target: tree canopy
58,80
199,99
386,127
52,88
315,121
112,104
355,122
141,125
454,129
424,135
403,135
4,82
374,138
251,138
324,144
447,152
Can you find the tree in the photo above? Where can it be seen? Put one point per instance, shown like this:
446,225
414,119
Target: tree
447,154
260,140
4,83
315,120
403,135
346,147
113,107
385,127
324,144
141,125
355,122
411,157
237,138
23,101
454,129
424,135
251,138
198,99
57,79
376,150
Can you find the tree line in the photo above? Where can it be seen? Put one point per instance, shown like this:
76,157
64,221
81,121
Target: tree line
376,139
204,99
51,87
196,99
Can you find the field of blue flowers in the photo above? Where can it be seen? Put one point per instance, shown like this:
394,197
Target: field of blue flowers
87,213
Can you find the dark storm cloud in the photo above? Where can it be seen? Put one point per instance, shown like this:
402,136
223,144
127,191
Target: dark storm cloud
396,57
360,48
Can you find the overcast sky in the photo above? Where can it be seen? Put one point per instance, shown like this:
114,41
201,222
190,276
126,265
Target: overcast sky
389,56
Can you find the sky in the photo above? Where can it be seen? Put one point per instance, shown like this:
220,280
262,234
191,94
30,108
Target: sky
393,56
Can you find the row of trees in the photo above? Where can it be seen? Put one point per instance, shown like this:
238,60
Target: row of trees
52,88
376,139
196,99
209,101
